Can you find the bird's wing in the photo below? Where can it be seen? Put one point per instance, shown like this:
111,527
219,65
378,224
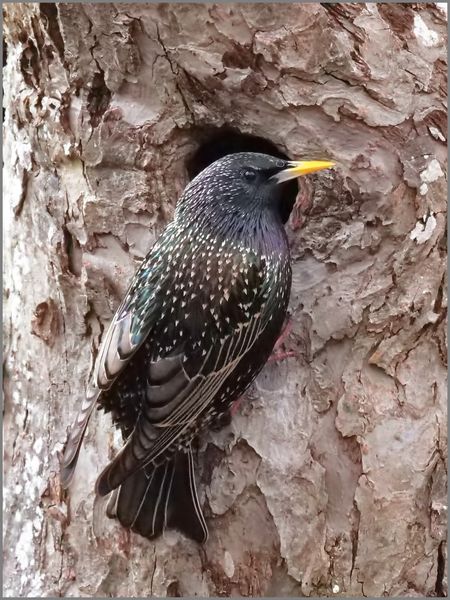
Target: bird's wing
129,328
137,314
184,384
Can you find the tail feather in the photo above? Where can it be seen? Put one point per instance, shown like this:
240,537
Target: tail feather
184,494
150,519
154,498
144,488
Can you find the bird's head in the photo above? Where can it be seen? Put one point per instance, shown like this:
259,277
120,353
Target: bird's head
244,183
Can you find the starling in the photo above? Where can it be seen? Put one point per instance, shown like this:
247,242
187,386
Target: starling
197,324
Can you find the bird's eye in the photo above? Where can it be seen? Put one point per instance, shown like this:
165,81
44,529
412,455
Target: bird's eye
249,174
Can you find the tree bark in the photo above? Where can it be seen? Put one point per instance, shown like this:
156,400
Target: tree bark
332,478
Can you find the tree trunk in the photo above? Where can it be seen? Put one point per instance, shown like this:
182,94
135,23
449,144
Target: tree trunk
332,479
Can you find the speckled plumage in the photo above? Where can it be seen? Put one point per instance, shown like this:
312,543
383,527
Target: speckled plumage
197,324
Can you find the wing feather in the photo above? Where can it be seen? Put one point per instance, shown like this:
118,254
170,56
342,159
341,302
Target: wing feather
181,412
121,341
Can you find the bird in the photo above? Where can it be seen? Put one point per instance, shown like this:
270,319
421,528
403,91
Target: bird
196,326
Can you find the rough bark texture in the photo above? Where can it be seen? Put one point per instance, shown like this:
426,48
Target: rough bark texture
332,479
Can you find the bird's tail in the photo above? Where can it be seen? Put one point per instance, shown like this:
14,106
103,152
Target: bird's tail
156,497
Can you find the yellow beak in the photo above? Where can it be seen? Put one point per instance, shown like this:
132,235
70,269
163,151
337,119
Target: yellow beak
302,167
